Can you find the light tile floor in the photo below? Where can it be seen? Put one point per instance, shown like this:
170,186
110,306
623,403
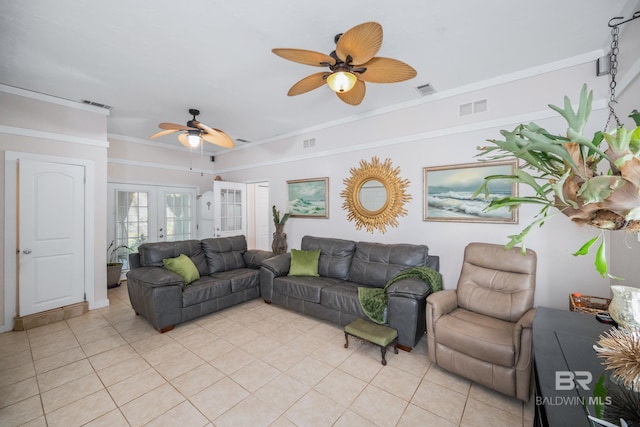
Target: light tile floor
250,365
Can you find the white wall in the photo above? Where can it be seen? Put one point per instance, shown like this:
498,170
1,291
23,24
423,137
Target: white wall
432,134
152,162
32,123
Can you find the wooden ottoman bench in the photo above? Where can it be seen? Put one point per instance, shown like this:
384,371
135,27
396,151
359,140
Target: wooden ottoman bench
379,335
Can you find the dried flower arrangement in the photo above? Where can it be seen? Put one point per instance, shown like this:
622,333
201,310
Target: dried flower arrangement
620,350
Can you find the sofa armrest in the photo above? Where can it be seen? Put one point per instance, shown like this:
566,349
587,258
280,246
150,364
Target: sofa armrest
254,257
278,265
154,277
411,287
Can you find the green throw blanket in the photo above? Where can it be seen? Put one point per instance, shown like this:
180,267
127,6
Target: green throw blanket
374,300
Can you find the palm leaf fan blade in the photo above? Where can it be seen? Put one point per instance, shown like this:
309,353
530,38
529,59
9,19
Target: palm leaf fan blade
218,138
163,133
355,95
173,126
386,70
361,42
308,83
303,56
184,140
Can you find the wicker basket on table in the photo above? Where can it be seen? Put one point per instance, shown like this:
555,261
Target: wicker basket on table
588,304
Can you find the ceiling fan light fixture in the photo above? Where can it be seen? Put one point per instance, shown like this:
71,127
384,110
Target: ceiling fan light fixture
194,138
341,81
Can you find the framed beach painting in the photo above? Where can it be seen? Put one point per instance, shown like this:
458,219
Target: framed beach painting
448,192
308,198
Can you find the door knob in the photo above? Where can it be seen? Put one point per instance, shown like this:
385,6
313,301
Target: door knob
26,251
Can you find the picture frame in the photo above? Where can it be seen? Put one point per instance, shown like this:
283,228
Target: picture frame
448,192
308,198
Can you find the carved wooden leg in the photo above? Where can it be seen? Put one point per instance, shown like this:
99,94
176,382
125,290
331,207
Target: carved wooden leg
383,350
346,339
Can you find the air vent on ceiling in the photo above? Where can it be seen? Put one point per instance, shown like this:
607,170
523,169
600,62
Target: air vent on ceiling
308,143
473,107
97,104
425,89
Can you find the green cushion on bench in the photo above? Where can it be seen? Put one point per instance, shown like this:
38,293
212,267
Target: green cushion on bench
372,332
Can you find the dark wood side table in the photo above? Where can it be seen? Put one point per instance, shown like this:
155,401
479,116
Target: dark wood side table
563,343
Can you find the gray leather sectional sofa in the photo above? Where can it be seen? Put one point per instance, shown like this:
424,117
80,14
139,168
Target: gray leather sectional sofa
229,275
344,265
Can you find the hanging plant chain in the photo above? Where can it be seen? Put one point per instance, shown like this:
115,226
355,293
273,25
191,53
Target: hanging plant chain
613,60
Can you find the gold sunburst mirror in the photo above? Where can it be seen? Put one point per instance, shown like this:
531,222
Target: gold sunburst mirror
374,195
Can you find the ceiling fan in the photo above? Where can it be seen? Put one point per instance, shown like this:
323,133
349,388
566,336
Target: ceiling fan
195,132
351,64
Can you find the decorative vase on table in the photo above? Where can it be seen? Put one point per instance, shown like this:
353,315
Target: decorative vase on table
625,306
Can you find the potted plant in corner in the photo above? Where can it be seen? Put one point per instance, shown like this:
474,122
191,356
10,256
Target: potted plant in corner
592,183
114,268
279,245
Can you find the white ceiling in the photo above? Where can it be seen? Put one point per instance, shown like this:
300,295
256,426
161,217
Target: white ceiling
152,60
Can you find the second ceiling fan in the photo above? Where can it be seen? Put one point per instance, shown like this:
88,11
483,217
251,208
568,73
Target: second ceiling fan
351,64
195,132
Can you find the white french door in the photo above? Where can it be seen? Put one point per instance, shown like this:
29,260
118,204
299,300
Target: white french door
148,213
230,208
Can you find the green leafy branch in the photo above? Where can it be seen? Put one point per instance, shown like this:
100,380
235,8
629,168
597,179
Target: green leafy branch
276,216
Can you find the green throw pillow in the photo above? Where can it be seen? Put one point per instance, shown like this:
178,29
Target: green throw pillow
183,266
304,263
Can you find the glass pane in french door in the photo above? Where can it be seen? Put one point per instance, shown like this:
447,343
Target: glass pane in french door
132,222
179,216
230,210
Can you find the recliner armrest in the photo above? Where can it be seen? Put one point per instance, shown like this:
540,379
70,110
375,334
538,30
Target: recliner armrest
525,322
279,265
254,257
442,302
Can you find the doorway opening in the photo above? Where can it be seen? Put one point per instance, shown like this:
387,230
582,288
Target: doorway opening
259,215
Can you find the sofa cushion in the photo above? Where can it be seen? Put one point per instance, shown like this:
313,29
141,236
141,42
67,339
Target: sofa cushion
335,255
224,253
240,279
152,254
375,263
343,297
482,337
183,266
205,289
301,287
304,263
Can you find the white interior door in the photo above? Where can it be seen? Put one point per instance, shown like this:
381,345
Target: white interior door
51,235
262,216
230,204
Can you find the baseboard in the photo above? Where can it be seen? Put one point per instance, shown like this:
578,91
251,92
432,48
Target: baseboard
22,323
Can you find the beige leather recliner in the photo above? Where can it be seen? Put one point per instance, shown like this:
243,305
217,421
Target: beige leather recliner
482,330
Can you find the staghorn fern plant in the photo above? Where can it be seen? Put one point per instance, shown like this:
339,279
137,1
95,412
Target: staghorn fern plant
590,183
